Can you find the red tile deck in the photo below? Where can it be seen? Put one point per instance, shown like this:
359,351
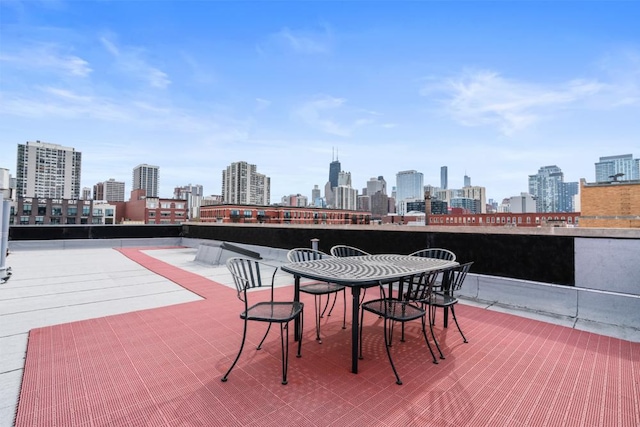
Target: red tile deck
162,367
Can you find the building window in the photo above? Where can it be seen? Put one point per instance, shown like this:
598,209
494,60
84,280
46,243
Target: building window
165,214
86,210
42,209
39,220
97,212
108,212
96,221
54,220
71,220
26,209
56,211
247,214
72,211
24,220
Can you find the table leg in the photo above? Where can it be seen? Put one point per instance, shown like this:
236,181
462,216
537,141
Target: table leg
355,327
446,284
296,298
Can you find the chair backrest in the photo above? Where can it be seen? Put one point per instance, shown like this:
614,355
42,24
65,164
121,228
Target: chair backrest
415,288
456,275
438,253
346,251
305,254
246,275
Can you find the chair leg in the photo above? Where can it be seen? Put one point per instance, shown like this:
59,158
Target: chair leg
244,337
387,345
433,310
344,310
300,335
326,305
360,333
317,300
264,337
335,298
284,346
424,333
453,313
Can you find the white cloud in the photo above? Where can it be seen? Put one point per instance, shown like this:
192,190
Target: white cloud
486,98
262,104
131,61
48,57
305,42
332,115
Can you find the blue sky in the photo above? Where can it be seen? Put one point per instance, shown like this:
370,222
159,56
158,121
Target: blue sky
494,90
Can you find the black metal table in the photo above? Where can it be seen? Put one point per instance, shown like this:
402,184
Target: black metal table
361,272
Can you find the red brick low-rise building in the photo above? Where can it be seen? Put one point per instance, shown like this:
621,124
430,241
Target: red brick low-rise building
151,210
281,215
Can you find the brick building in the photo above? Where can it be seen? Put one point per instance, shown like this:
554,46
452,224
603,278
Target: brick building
151,210
610,205
281,215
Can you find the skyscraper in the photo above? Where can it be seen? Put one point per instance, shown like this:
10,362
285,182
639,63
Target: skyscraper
624,164
111,191
409,186
552,194
146,177
48,171
243,185
375,185
444,178
334,172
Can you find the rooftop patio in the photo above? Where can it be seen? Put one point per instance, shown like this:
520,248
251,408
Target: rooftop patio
136,360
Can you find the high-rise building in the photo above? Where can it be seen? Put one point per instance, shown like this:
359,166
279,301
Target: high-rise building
111,191
467,181
617,168
523,203
409,186
550,191
243,185
193,195
375,185
48,171
334,172
146,177
444,178
296,200
476,193
86,193
315,195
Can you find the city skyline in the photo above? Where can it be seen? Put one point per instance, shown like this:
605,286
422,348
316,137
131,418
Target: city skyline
391,86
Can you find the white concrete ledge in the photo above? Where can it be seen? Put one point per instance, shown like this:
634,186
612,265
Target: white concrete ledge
615,309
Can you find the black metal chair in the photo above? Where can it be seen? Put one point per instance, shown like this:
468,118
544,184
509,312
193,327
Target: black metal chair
401,308
345,251
247,276
454,277
342,251
438,253
318,289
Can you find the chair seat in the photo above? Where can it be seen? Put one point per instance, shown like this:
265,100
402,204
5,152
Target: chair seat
395,309
320,288
273,311
441,300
